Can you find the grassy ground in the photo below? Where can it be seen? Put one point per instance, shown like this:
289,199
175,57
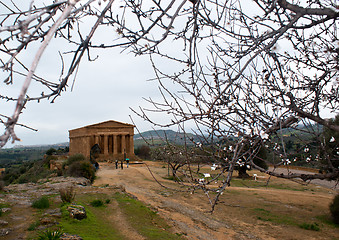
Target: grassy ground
251,209
99,223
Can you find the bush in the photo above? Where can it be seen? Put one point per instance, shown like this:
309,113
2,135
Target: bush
67,195
41,203
51,151
82,169
50,235
75,158
2,185
334,209
48,158
143,151
97,203
308,226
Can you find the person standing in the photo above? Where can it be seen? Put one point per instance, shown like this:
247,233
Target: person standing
116,164
127,162
122,166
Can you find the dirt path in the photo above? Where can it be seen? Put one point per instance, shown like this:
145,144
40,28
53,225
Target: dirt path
188,214
137,180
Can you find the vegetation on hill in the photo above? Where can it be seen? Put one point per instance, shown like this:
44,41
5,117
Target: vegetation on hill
160,137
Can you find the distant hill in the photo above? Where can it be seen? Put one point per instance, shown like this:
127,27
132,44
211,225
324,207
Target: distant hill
158,137
41,146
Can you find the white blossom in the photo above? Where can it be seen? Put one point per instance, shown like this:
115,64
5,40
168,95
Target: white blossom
332,139
206,175
264,135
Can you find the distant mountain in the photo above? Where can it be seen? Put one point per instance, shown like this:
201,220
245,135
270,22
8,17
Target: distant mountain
158,137
42,146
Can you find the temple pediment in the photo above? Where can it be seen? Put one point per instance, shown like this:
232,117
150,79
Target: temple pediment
107,124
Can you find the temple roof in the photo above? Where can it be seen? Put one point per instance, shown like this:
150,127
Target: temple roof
106,124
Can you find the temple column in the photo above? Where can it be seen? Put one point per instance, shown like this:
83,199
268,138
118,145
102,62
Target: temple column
96,139
115,144
131,145
105,144
123,143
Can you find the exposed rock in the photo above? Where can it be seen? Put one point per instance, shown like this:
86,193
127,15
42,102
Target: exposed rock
24,194
77,212
47,221
5,210
4,231
53,213
3,223
67,236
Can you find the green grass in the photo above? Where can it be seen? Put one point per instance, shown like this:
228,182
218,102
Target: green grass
266,215
99,225
326,219
236,182
33,226
50,234
41,203
147,222
94,227
310,226
97,203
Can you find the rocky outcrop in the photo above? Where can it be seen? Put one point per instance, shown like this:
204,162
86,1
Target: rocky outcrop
3,223
4,231
24,194
77,212
67,236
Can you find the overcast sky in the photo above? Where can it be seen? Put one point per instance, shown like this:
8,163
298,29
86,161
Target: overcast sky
104,90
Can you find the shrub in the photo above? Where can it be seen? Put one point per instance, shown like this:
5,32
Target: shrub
50,235
82,169
41,203
334,209
143,151
107,201
2,185
51,151
67,194
33,226
75,158
48,158
22,179
97,203
312,226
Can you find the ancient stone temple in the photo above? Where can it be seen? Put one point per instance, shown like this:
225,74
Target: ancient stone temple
114,139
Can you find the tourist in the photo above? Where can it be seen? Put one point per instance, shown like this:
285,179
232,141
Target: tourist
96,165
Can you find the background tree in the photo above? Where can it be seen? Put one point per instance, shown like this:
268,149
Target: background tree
143,151
242,70
253,71
329,147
